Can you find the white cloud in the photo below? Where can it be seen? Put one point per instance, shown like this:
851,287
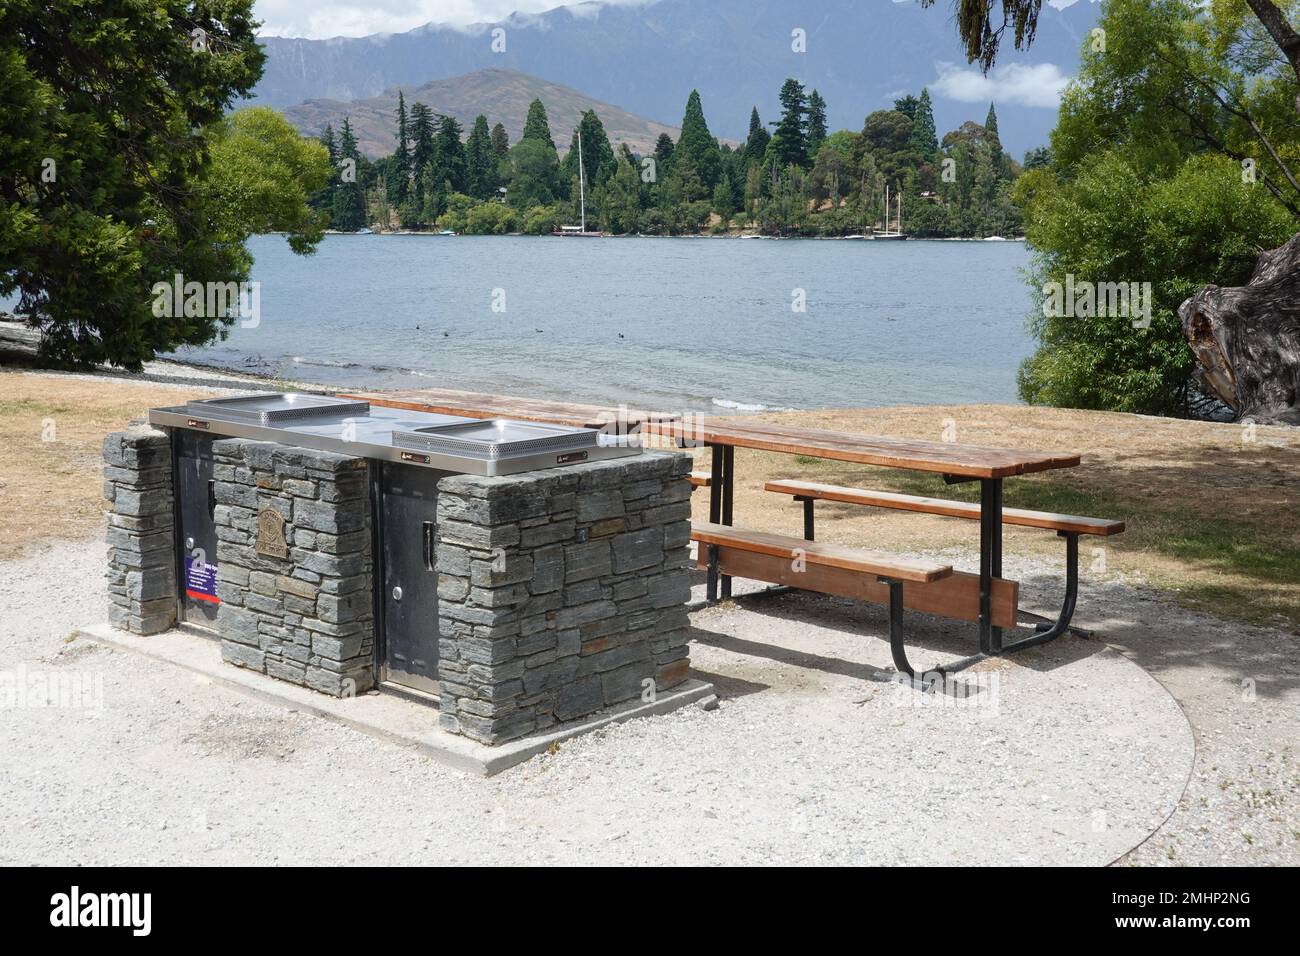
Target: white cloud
1038,85
321,19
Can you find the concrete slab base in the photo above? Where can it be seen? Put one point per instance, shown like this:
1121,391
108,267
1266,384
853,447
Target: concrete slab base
386,716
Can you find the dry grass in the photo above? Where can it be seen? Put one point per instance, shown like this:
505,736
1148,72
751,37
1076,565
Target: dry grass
51,430
1212,516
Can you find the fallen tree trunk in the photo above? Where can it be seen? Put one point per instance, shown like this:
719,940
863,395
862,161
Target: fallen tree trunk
1246,339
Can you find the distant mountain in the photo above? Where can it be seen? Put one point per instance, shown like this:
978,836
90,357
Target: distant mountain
500,95
647,57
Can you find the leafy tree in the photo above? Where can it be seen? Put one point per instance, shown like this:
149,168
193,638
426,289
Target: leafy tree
263,173
982,33
106,167
541,220
698,143
722,200
534,173
1146,185
620,200
790,139
816,122
1039,157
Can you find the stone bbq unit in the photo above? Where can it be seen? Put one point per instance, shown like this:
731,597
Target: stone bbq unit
515,575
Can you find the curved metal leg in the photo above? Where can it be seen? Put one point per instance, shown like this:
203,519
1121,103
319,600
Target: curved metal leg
1050,632
896,648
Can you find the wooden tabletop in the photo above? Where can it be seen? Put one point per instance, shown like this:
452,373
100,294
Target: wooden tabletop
966,461
450,401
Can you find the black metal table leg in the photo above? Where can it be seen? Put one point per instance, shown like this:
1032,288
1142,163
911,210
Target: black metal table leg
990,561
728,469
715,508
1049,632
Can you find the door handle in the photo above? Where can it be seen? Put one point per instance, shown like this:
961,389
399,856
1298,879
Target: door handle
212,497
428,545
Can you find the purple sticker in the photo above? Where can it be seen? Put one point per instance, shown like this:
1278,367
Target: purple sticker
201,580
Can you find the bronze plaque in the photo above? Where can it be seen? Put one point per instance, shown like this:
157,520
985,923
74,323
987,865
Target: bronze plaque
270,534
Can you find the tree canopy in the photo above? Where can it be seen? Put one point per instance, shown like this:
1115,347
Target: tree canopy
114,155
1161,170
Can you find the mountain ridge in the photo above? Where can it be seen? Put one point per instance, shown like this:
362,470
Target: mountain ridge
648,57
499,94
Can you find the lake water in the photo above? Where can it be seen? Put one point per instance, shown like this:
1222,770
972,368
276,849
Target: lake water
688,324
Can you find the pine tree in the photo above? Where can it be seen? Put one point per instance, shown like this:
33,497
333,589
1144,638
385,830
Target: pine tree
536,126
327,137
697,142
816,122
349,212
421,148
663,156
924,138
759,137
449,164
324,199
907,105
399,167
500,141
790,141
480,161
598,161
991,121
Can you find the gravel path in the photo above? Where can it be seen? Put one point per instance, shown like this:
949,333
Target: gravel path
1070,754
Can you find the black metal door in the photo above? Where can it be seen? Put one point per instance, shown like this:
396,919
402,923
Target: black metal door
408,502
196,529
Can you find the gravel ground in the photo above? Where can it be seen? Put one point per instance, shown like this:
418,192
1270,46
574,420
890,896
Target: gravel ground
1070,754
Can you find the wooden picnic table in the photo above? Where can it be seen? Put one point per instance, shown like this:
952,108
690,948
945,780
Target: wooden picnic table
957,463
449,401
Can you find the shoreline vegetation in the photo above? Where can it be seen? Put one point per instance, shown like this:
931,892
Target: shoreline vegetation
731,234
798,180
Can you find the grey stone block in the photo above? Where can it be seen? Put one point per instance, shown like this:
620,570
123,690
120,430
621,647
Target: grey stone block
638,549
625,682
584,561
579,698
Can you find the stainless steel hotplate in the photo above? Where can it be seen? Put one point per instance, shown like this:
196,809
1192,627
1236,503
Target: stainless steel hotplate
277,408
497,438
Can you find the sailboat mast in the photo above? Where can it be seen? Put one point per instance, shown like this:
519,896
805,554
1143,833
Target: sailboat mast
886,207
582,183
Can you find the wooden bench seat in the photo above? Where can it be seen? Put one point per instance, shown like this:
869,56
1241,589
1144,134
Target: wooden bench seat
852,573
1071,524
817,554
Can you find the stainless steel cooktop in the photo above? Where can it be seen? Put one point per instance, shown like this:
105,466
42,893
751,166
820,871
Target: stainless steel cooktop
445,442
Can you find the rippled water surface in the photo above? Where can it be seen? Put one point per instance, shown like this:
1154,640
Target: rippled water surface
670,323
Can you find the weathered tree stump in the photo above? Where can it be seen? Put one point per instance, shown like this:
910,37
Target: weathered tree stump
1246,339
